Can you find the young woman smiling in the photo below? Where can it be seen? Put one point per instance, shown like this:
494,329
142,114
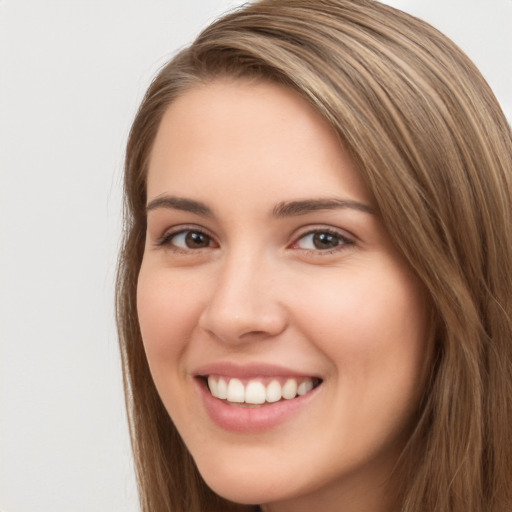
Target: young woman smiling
315,289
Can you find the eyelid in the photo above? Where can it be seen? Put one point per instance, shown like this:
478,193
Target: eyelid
170,233
347,238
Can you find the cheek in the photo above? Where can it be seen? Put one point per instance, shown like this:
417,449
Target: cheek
372,327
167,315
374,334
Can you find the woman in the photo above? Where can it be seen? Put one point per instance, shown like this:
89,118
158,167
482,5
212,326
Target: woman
315,291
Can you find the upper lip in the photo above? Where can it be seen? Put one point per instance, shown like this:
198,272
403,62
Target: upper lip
248,371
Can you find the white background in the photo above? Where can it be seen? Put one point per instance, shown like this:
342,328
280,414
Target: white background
72,73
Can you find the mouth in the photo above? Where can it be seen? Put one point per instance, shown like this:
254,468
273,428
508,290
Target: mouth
258,392
257,397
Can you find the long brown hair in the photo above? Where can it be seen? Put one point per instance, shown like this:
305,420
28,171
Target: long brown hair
434,148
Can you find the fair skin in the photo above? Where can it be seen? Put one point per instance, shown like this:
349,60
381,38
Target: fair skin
266,261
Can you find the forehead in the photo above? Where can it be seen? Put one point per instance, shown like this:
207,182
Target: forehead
253,136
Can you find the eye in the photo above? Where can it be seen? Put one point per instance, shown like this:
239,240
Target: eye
322,240
187,239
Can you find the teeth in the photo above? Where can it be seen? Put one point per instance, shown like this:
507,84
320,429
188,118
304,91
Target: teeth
304,387
222,389
236,391
274,392
214,387
290,389
255,392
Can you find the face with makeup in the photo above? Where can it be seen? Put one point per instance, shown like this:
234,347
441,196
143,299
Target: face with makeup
284,332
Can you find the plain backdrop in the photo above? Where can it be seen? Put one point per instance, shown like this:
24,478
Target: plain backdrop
72,73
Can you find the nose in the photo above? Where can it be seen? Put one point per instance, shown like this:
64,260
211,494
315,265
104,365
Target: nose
244,303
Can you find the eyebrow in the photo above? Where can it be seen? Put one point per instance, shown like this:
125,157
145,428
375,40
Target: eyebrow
179,203
294,208
283,209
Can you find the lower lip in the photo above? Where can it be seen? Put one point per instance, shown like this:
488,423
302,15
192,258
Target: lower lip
251,419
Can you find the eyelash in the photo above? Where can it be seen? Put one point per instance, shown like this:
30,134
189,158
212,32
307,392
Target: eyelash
344,241
167,239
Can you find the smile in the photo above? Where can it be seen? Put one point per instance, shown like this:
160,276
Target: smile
254,398
259,391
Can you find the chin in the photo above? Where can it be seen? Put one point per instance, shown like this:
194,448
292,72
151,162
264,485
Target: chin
249,487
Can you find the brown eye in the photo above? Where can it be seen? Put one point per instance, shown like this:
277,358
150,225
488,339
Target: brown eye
325,241
188,239
322,240
196,240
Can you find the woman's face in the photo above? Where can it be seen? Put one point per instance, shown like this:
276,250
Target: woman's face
267,272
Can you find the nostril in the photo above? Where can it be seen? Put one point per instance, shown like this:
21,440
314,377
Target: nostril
234,316
255,334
